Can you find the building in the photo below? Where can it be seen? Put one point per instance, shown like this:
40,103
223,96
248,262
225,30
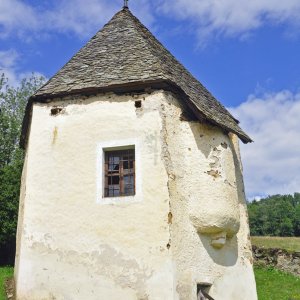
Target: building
132,186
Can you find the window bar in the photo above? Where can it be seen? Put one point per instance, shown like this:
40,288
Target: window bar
121,185
106,176
133,165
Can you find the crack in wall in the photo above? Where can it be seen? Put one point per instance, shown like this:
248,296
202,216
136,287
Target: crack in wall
168,165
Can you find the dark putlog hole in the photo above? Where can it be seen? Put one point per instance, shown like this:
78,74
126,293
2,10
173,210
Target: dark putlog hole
138,104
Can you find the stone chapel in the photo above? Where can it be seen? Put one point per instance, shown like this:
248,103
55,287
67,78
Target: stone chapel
132,186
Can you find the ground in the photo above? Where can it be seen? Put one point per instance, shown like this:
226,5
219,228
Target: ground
5,273
276,285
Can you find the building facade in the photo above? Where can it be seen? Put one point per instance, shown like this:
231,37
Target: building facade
132,185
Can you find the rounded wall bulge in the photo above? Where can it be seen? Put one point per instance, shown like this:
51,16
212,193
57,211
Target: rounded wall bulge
213,205
209,229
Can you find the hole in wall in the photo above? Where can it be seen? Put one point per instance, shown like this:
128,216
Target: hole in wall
203,291
138,104
56,110
170,217
224,145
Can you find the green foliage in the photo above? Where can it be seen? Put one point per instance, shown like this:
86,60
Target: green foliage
5,272
277,215
276,285
13,101
10,176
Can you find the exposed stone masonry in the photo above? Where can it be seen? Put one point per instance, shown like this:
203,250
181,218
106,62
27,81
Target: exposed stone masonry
278,258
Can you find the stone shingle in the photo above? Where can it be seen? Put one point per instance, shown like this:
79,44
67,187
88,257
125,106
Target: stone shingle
125,53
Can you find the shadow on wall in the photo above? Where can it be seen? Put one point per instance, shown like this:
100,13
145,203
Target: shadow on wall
227,256
211,147
238,176
205,148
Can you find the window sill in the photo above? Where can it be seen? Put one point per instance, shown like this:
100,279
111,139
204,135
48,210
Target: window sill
119,200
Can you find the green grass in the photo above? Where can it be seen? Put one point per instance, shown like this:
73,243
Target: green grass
287,243
5,272
276,285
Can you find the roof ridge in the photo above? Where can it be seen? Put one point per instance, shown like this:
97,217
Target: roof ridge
146,31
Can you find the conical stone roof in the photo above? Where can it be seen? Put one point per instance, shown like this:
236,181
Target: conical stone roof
124,55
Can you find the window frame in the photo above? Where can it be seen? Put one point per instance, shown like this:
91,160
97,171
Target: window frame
114,169
113,145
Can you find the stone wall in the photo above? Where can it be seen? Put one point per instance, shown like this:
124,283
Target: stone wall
277,258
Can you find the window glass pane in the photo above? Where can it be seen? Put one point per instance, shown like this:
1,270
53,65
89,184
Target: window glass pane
119,173
128,179
113,167
116,192
110,192
113,190
129,190
115,180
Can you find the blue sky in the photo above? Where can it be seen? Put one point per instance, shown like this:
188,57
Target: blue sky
245,52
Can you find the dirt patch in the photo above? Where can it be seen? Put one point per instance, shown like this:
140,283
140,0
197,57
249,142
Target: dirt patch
9,285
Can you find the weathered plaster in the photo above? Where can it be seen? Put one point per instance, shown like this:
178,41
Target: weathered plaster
158,246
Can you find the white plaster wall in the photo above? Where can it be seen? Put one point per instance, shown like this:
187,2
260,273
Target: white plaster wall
73,246
207,199
156,245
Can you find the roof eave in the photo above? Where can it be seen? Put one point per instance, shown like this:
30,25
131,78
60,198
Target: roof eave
138,86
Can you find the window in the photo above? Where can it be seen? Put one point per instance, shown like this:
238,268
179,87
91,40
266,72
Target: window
119,173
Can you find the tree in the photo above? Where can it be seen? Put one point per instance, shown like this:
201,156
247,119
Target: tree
297,220
277,215
13,101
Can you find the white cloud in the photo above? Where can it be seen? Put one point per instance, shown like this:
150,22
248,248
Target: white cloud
8,60
77,16
208,18
272,162
231,17
82,18
9,67
14,14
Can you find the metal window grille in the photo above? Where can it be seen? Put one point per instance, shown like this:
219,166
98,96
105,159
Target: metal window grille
202,292
119,173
